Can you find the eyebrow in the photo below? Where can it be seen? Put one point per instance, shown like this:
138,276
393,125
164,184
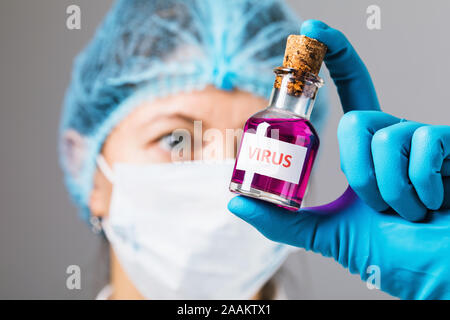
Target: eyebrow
152,122
176,114
182,116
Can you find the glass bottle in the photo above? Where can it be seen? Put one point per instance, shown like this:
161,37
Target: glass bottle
279,144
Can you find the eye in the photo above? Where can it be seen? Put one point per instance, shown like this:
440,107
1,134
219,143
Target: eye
169,141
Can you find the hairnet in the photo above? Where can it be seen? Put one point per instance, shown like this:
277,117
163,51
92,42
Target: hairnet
149,49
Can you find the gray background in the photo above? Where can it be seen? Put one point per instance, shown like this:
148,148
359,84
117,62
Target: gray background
40,234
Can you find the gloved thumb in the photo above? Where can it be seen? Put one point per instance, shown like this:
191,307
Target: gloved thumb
355,87
317,228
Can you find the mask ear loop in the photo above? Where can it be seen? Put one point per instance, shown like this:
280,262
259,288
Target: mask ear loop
96,222
105,168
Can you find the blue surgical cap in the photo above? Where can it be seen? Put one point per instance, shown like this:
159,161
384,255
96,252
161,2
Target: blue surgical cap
145,50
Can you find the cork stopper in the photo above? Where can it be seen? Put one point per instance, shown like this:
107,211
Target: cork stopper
305,55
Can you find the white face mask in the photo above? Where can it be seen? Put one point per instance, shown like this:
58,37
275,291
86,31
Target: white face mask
170,229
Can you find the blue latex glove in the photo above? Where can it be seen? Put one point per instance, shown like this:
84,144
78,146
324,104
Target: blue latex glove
379,153
413,258
395,164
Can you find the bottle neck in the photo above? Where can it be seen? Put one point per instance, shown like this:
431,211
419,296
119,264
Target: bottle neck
301,106
294,91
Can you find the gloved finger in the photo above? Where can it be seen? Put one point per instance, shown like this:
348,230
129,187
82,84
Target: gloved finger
446,202
323,229
390,152
273,222
445,170
355,133
353,82
430,146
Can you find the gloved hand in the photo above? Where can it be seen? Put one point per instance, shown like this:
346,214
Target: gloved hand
394,164
413,258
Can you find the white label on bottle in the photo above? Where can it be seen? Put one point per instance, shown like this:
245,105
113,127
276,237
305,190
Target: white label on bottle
271,157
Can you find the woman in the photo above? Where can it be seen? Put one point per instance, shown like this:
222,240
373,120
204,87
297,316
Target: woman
155,75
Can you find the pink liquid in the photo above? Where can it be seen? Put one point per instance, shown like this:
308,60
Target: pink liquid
295,131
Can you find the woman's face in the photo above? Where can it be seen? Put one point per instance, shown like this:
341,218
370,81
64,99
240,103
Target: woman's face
145,135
